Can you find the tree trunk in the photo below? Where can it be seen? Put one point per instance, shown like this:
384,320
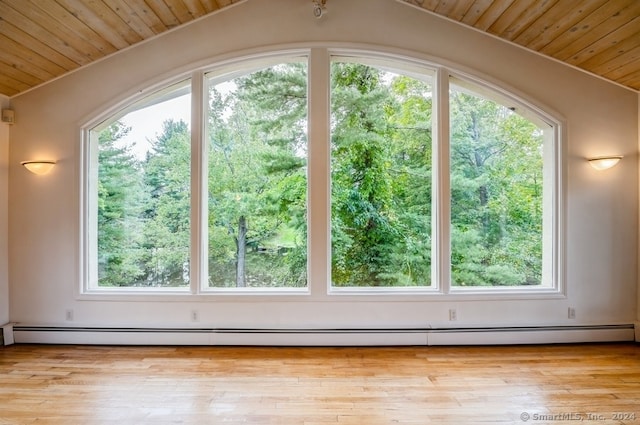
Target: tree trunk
241,252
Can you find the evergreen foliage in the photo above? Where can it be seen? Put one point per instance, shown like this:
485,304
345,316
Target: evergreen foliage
381,188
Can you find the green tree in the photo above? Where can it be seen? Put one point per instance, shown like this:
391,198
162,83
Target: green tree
381,178
363,231
167,207
119,206
496,198
257,182
381,171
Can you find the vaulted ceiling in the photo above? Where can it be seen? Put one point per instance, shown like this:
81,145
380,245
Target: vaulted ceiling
43,39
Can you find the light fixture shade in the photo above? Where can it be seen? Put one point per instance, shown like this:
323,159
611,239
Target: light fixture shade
39,167
604,162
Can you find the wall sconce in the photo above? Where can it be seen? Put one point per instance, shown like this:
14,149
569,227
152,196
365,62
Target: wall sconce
39,167
604,162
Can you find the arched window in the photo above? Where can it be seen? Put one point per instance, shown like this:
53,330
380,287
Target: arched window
139,194
324,173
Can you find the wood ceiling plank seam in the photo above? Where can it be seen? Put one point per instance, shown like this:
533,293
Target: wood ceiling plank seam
30,57
114,21
130,17
447,7
585,32
527,18
492,14
148,16
19,62
86,15
608,47
224,3
179,10
18,84
21,34
554,22
506,19
210,5
9,82
429,5
599,40
81,32
460,9
195,8
84,52
30,43
28,79
477,9
621,65
631,80
163,12
8,91
44,37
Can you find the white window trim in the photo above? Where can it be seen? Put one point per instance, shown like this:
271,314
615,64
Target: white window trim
553,225
319,286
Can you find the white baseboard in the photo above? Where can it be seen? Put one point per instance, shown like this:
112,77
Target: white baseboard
7,334
325,337
553,335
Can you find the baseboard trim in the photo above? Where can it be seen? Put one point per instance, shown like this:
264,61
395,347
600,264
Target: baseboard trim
6,335
637,326
324,337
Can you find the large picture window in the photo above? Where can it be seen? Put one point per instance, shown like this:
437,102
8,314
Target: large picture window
141,193
381,177
436,184
497,190
257,183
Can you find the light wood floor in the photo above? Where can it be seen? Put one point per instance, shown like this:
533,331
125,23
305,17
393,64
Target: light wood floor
598,383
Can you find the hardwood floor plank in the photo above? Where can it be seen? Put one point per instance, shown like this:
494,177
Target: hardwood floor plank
319,386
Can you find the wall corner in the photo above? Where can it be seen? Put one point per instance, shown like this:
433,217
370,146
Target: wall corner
4,216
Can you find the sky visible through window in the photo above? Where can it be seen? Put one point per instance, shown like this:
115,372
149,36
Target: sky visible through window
146,123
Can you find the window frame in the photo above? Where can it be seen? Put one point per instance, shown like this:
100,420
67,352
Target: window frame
553,248
89,178
207,78
319,286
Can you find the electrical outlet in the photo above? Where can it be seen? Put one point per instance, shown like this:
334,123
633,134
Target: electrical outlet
453,315
194,315
69,315
571,313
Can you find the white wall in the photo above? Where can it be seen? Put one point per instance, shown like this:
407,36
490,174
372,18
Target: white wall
602,208
4,214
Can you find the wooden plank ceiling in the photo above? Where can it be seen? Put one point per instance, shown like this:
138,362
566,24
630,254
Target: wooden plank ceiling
43,39
598,36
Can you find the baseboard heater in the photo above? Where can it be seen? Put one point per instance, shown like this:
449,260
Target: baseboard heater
323,337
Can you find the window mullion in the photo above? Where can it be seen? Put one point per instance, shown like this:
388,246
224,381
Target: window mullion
198,269
441,241
318,205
